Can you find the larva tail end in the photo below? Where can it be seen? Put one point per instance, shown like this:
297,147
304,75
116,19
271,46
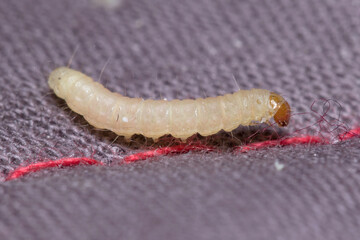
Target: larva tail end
281,108
55,78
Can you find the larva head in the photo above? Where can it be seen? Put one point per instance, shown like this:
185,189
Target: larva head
56,77
281,109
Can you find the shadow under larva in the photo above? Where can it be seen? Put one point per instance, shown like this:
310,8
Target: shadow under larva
153,119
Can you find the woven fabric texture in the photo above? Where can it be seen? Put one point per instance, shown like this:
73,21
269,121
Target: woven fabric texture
308,51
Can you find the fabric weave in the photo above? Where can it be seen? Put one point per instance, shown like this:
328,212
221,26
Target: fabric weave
306,50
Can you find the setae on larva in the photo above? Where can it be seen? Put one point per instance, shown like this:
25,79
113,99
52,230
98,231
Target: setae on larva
154,118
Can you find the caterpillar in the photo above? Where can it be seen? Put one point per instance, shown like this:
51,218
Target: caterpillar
154,118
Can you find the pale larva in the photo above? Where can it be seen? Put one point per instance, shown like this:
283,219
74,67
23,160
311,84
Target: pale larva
154,118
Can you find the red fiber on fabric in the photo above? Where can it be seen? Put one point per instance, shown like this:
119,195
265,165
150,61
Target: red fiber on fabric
66,162
283,142
165,151
350,134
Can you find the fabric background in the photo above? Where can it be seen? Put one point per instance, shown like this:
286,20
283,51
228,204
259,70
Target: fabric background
305,50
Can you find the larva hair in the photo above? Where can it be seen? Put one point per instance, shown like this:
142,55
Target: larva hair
154,118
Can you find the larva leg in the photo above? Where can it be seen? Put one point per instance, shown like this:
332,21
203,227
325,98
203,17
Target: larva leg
127,138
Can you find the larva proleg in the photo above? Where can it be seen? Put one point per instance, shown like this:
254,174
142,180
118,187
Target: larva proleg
154,118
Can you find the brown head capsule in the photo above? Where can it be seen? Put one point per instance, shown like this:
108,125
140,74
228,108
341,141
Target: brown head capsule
281,109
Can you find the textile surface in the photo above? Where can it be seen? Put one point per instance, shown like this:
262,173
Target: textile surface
307,51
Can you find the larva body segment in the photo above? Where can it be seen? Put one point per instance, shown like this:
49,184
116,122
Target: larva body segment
155,118
209,115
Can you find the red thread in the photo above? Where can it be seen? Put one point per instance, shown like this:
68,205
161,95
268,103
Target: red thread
350,134
282,142
166,151
65,162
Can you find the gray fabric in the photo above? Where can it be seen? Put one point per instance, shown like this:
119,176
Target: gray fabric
193,196
304,50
